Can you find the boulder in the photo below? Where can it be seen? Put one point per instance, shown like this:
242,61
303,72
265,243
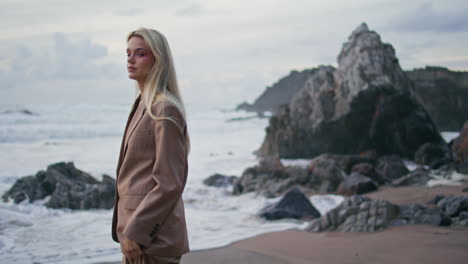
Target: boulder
357,214
421,214
219,180
67,186
366,103
460,150
453,205
418,177
326,173
367,169
293,205
356,183
390,168
433,155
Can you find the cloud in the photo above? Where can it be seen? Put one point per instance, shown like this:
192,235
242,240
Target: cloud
64,60
194,9
426,18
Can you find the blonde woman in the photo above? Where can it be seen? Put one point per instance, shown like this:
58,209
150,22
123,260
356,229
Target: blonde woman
149,220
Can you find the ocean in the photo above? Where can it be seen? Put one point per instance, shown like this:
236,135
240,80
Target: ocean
223,141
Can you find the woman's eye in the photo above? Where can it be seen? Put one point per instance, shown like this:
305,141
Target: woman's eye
128,54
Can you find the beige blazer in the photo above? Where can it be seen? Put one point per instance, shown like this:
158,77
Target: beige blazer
151,176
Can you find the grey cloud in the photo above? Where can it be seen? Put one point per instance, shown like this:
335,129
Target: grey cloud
128,12
194,9
426,18
66,60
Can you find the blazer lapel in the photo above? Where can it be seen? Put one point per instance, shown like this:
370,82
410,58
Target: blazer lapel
122,145
131,129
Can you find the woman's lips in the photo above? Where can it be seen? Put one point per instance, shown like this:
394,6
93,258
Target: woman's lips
131,69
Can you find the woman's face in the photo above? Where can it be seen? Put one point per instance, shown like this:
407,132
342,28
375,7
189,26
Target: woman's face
140,60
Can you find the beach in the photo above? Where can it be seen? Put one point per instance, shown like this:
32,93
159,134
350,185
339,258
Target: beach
397,244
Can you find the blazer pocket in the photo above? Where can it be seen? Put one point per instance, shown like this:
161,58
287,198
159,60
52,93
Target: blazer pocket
132,201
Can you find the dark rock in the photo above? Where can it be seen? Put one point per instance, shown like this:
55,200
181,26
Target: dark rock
347,162
418,177
367,169
390,168
357,183
453,205
465,189
444,94
420,214
271,179
432,155
273,182
436,199
326,173
357,214
460,150
366,103
219,180
67,186
293,205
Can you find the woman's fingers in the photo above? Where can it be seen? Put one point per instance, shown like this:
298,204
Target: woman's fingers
131,248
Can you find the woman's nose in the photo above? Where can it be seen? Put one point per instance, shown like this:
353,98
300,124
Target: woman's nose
130,58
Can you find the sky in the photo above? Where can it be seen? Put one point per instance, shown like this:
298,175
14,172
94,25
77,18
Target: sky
225,52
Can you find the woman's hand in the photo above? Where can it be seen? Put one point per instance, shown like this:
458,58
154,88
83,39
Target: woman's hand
130,248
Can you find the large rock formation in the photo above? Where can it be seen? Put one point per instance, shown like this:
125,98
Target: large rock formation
279,93
366,103
67,186
444,94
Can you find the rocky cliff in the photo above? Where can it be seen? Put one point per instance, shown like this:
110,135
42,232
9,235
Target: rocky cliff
367,103
279,93
444,94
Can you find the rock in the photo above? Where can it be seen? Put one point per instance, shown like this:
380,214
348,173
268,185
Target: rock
357,183
293,205
274,182
432,155
347,162
367,169
465,189
356,214
390,168
436,199
418,177
420,214
460,150
366,103
453,205
444,94
326,173
279,93
67,186
219,180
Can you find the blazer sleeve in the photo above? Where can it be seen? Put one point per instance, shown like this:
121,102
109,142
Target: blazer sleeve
168,172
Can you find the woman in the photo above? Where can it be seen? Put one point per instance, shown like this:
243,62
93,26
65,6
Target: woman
149,219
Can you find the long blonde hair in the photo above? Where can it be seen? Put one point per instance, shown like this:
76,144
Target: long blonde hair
161,82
